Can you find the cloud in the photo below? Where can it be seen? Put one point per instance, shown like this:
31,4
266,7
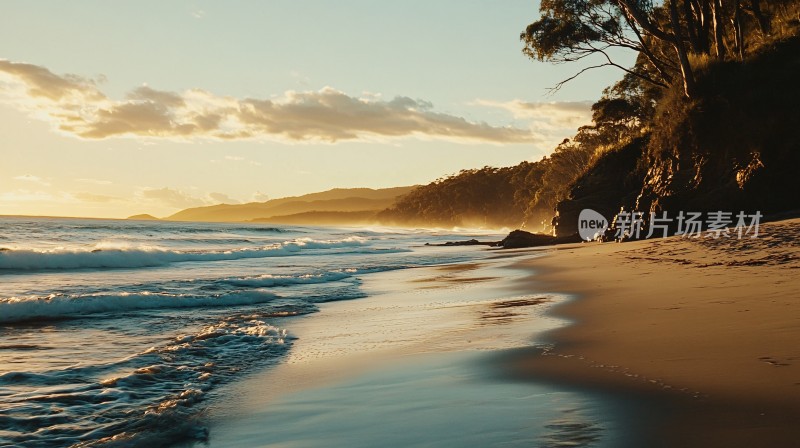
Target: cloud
172,198
76,106
237,159
259,197
299,78
552,116
222,198
175,198
23,195
94,181
43,84
33,179
96,198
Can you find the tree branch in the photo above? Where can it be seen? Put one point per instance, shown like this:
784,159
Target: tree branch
644,22
560,84
647,53
636,74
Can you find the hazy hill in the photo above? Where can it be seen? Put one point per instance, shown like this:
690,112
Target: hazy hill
324,218
335,200
143,217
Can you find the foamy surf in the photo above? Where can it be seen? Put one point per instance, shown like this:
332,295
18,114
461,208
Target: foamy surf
269,280
16,309
151,398
106,256
118,333
212,292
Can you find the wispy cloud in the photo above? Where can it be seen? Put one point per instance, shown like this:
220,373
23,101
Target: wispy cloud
77,106
259,197
222,198
547,117
177,198
238,159
24,195
96,198
94,181
32,179
300,78
171,197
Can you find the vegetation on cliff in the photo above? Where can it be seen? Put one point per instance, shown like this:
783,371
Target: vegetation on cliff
704,120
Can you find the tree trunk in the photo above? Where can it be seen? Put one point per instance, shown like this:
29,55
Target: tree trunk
763,21
631,8
705,10
737,30
691,31
686,68
719,41
654,61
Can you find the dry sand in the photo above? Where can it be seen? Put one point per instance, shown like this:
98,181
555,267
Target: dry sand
708,330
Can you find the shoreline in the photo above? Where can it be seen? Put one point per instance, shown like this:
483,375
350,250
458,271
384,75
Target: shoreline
422,348
679,342
703,333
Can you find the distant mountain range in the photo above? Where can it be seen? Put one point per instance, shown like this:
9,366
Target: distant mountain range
336,206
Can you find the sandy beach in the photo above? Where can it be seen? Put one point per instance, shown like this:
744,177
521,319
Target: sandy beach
670,342
705,331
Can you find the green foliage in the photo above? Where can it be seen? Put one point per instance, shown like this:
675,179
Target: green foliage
519,196
526,195
483,197
573,30
732,146
567,26
668,37
727,142
613,180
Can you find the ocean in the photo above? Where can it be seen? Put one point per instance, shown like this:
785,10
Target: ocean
122,332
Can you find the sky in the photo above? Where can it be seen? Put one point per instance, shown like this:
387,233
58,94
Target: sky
109,109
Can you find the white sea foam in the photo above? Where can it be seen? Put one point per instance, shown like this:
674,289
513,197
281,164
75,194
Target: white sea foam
17,309
269,280
105,255
138,349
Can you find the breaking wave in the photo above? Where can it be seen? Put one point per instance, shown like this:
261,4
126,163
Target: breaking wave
18,309
152,398
109,256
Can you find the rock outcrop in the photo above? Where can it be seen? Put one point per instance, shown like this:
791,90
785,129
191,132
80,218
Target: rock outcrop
614,181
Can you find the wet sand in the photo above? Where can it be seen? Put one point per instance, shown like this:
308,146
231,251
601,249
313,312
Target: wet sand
416,363
705,332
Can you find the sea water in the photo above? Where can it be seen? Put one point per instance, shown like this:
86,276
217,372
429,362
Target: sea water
120,332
